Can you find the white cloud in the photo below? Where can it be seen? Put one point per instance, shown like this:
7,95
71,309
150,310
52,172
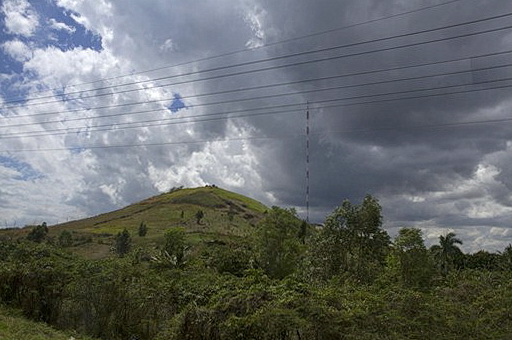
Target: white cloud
254,17
66,176
469,202
109,178
20,18
18,50
45,194
113,193
168,46
96,16
229,164
60,26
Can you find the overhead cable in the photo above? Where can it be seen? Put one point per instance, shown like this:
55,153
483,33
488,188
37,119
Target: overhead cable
226,54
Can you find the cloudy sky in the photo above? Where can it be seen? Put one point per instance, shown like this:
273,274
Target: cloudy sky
105,103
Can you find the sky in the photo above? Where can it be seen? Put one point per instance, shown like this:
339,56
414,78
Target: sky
105,103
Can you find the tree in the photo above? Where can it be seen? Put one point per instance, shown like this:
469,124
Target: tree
352,241
414,264
38,233
143,229
278,245
123,243
199,216
409,239
447,255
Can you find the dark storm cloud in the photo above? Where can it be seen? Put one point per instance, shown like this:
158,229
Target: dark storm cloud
379,148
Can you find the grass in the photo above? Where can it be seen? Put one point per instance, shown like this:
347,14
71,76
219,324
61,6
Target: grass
13,326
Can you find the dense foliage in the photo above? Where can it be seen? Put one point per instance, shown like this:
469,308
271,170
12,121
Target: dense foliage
289,280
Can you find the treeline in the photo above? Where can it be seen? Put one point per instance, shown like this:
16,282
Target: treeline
346,280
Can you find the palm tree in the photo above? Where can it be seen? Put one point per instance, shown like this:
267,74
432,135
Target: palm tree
447,254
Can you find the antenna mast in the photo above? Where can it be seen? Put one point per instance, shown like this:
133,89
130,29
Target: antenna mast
307,162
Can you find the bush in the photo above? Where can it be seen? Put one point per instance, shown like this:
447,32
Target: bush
143,229
123,243
65,239
38,233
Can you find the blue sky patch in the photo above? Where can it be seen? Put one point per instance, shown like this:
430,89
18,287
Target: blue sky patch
9,89
7,64
177,104
59,29
56,28
25,171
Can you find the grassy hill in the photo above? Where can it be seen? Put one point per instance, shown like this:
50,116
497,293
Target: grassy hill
227,216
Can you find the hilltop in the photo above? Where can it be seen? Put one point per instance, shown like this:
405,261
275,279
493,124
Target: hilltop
227,215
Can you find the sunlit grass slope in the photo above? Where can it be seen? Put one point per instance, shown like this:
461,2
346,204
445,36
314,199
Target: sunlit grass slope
227,215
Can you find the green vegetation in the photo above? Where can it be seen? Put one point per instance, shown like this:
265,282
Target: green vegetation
411,260
13,326
143,229
278,246
264,276
65,238
174,248
352,241
38,233
226,215
447,254
123,243
199,216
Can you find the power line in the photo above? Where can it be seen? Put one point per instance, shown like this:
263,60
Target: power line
361,97
428,126
148,111
295,93
281,137
260,87
157,144
256,48
426,95
155,122
162,122
248,63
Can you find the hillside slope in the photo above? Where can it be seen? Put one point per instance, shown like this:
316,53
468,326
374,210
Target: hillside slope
227,215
